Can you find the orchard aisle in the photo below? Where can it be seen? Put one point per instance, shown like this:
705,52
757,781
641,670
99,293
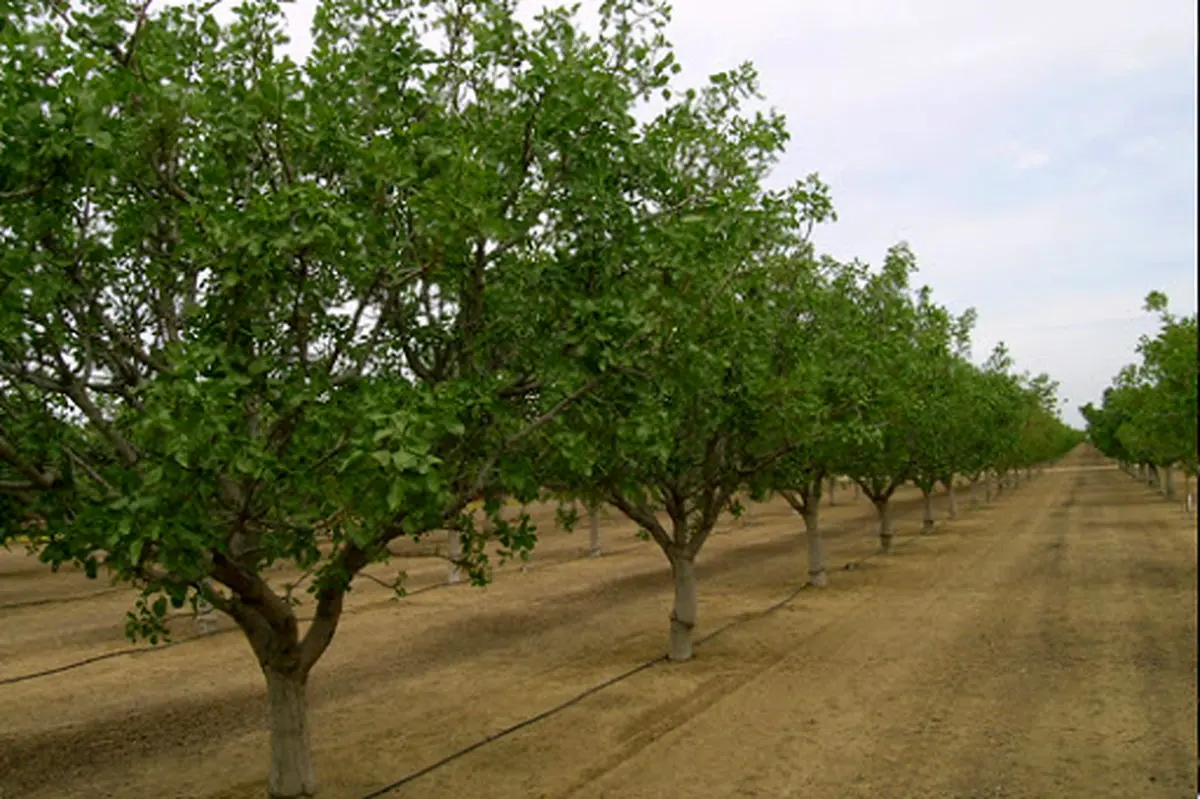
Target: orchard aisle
1043,648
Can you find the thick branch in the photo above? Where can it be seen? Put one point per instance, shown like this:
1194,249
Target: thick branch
642,516
37,478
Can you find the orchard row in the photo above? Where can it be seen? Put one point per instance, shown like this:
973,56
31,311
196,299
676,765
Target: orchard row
1147,419
257,312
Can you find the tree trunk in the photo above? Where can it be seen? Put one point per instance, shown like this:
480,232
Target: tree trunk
529,554
857,491
683,615
832,491
817,576
1152,476
292,775
593,532
454,549
951,499
974,493
884,509
1168,481
987,487
927,519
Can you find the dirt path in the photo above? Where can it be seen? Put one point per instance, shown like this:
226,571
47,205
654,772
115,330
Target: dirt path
1041,647
1044,652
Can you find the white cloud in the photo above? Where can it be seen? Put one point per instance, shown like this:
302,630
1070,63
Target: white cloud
1027,158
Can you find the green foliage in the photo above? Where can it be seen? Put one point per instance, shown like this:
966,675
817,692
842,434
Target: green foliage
253,310
714,394
1148,415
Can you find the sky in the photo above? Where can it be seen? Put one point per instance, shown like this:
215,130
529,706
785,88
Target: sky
1038,156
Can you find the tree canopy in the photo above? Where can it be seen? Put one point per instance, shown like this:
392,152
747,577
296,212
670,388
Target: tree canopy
1148,415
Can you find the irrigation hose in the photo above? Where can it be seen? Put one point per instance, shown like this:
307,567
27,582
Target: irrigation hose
145,650
133,651
625,675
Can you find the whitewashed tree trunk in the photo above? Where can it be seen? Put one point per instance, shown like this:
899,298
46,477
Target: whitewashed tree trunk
884,510
685,610
951,499
927,518
206,617
292,775
593,532
1168,482
817,575
454,552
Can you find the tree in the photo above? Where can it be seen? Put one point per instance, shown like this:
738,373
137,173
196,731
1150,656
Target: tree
827,336
941,340
713,400
884,459
995,400
253,311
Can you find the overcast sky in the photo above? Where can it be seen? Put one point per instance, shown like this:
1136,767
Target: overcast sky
1038,155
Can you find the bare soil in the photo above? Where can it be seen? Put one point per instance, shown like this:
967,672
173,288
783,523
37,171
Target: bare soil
1043,646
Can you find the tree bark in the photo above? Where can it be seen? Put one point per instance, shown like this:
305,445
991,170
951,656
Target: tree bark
593,532
884,509
683,615
454,551
951,499
927,519
817,575
987,487
857,491
292,775
974,493
832,491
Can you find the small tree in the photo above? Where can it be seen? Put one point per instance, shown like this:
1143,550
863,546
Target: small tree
712,401
935,397
828,333
884,460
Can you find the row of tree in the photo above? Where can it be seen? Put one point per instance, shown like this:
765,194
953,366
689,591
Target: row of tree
254,312
1147,417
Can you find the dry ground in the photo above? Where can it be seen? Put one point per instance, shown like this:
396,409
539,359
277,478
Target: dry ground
1042,647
